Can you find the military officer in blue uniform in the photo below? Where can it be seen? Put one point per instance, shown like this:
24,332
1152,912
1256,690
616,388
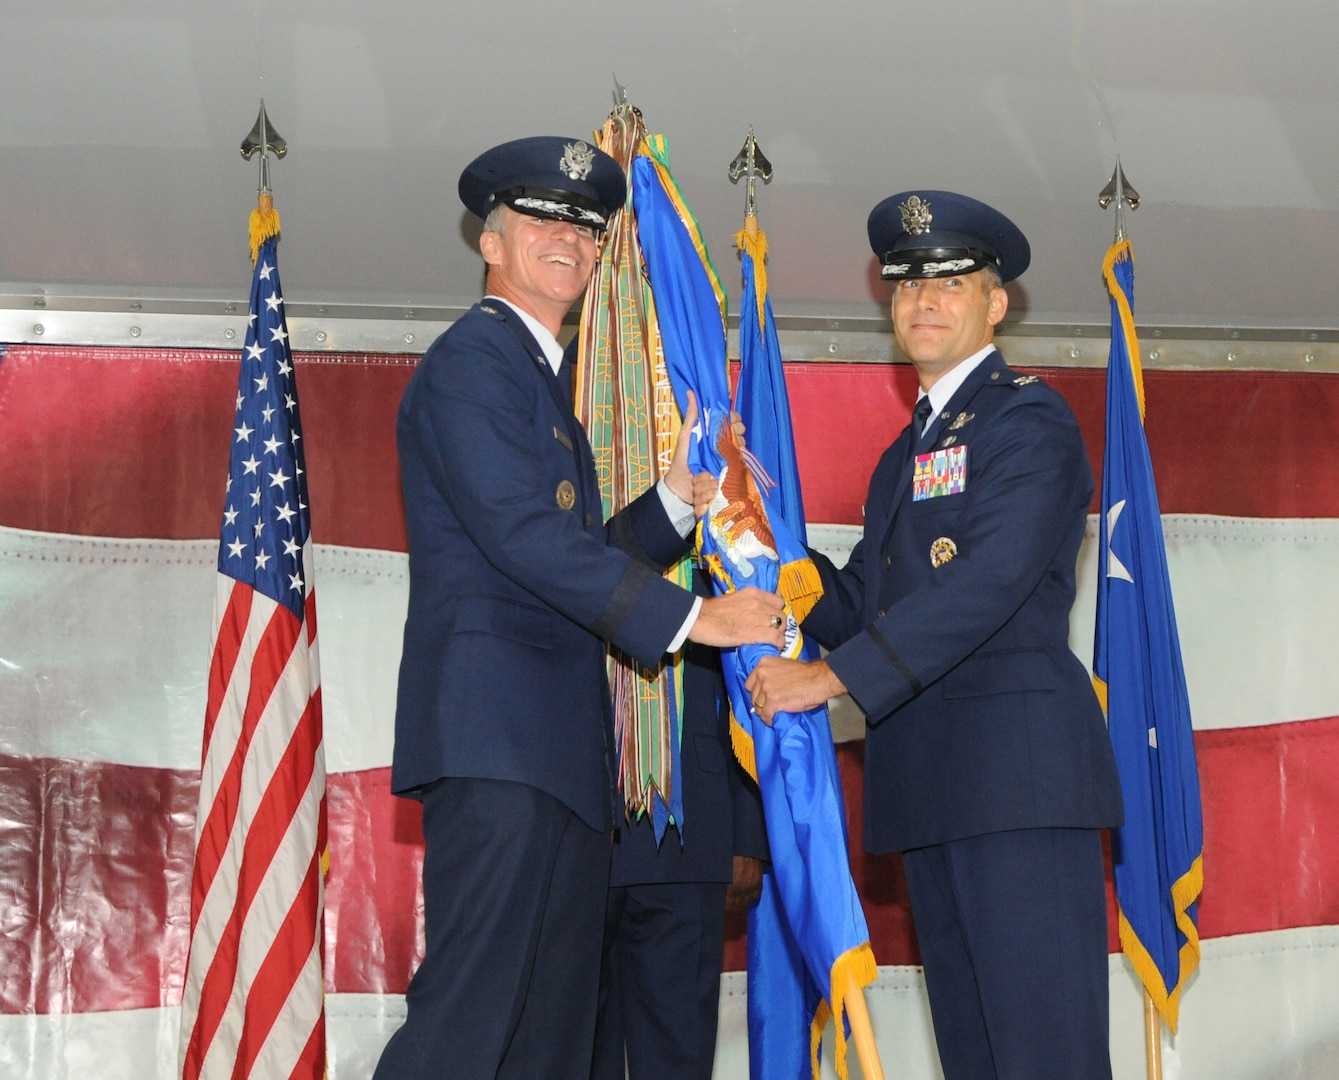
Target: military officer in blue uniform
503,718
987,761
665,922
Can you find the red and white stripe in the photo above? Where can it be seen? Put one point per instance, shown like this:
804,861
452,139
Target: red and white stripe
253,996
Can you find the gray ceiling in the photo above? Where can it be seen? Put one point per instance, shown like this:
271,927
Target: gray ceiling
120,174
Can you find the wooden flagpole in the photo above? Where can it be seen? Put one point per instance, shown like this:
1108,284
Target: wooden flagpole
1152,1039
861,1031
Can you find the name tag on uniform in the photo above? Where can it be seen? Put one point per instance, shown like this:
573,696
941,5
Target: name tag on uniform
940,472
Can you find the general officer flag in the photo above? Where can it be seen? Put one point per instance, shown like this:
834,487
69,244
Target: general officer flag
1156,854
253,1001
744,541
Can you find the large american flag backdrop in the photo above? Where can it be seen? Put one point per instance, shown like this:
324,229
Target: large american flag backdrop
110,496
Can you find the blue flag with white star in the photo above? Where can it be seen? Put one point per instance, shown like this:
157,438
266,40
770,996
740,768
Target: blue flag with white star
1157,853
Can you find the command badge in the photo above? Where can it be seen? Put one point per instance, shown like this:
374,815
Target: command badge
577,161
941,551
960,419
916,216
566,495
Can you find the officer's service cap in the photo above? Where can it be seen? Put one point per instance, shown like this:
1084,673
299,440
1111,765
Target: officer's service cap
545,176
920,234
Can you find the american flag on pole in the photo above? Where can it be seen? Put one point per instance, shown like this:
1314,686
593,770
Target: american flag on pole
253,1001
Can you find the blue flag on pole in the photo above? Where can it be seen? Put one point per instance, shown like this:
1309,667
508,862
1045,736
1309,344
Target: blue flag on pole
1157,853
786,1010
746,541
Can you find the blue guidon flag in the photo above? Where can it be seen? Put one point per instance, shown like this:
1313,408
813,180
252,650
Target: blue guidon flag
811,910
1157,853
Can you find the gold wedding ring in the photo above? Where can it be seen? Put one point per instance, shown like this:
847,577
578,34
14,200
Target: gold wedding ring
776,622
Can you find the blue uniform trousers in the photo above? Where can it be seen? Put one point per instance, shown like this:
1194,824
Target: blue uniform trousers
514,887
1012,932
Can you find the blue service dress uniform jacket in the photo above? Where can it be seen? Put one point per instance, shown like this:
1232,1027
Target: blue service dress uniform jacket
949,626
516,581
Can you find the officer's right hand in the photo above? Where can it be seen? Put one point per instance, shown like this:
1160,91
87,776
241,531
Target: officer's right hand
744,617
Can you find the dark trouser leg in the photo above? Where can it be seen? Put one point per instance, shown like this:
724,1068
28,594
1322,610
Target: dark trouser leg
513,887
1013,935
666,973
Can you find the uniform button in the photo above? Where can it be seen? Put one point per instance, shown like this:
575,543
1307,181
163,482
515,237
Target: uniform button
887,561
882,613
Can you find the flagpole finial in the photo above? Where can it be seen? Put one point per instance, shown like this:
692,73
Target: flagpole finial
264,138
622,107
1119,191
752,164
264,219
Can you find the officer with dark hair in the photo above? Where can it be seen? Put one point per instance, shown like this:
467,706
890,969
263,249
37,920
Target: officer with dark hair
503,724
987,762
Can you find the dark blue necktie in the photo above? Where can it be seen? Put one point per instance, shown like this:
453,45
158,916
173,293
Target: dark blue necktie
918,420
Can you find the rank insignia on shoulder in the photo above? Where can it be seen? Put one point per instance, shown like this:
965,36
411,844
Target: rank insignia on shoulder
961,419
488,309
942,551
1023,380
566,495
940,472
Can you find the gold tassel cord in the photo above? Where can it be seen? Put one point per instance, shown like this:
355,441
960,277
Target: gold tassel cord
264,224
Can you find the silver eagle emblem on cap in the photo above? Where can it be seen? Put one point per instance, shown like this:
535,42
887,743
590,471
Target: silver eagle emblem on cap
577,161
916,216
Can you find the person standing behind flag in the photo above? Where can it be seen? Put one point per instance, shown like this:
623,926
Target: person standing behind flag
987,762
665,921
503,726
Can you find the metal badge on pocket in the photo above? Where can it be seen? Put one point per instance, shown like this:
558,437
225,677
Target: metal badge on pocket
566,495
942,551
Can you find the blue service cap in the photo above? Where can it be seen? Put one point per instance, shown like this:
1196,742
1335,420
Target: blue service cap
545,176
921,234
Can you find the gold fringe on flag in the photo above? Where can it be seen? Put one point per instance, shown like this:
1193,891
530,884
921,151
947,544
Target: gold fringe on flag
264,223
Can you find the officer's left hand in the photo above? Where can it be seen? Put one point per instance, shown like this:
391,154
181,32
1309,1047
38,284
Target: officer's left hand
677,477
780,685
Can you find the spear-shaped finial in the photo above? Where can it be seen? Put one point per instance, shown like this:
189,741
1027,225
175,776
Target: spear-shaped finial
1119,191
263,137
621,106
750,163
